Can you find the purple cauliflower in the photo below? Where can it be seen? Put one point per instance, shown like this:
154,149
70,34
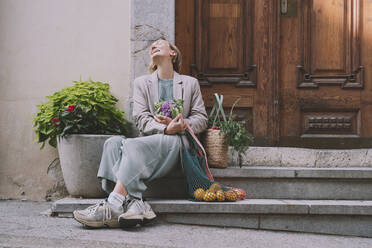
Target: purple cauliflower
169,108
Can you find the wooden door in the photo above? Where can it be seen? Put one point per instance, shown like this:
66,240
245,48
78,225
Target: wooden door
303,69
325,74
229,45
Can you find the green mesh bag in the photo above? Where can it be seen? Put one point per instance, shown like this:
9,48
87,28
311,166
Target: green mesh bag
196,169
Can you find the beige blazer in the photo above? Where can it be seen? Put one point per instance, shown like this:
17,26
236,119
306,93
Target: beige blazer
146,94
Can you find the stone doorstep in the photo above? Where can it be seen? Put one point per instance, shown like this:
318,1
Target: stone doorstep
291,172
346,225
313,216
286,172
278,183
248,206
303,157
343,217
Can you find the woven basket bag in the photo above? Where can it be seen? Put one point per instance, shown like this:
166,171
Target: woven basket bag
217,151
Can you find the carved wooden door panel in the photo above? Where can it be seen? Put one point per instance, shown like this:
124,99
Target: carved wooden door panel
325,74
228,45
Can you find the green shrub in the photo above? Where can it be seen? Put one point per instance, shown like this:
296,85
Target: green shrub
84,108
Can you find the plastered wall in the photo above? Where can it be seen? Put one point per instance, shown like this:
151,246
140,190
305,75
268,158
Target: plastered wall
44,45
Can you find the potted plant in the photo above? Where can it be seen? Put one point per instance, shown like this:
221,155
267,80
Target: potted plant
79,119
223,132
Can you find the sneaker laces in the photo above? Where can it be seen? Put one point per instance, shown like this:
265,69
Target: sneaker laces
106,209
126,204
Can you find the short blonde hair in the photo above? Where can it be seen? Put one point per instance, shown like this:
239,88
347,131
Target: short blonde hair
176,60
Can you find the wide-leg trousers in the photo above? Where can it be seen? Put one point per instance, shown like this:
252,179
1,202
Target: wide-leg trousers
136,161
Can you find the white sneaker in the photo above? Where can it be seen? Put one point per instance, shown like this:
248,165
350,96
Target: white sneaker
149,215
138,212
98,215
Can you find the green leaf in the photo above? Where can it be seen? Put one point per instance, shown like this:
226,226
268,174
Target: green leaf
53,142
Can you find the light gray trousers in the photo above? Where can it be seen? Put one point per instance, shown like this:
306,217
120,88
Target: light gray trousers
135,161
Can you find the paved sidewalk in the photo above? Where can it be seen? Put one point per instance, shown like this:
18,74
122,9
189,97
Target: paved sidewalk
23,225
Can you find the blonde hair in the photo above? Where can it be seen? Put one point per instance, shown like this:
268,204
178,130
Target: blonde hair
176,60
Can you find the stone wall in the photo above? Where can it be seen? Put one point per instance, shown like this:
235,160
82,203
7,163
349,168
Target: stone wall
150,20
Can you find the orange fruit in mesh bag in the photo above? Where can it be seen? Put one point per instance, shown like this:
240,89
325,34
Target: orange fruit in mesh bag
220,196
209,196
199,194
230,195
240,193
215,187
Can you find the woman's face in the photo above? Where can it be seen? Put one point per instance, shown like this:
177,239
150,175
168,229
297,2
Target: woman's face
161,48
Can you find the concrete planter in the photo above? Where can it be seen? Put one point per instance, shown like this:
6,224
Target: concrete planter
80,156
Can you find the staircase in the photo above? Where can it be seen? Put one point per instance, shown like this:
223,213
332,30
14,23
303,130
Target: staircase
316,200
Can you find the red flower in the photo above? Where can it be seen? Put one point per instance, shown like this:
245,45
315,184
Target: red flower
55,120
215,128
70,108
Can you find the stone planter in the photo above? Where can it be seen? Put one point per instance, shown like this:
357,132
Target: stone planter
80,156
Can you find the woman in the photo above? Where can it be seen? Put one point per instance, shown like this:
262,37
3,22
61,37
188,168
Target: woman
128,163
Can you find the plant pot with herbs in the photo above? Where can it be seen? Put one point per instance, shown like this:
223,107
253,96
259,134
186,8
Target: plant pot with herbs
223,131
78,119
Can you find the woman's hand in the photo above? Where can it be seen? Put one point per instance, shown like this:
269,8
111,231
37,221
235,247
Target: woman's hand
163,119
176,125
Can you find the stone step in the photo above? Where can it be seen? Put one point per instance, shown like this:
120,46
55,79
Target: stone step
315,216
303,157
279,183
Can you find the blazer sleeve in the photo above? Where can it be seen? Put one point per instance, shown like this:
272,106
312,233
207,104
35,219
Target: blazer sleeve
142,115
198,119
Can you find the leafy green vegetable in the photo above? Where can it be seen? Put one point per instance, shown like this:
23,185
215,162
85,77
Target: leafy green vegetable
169,108
236,135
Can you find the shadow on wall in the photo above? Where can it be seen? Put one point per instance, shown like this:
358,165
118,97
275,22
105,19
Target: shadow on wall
58,190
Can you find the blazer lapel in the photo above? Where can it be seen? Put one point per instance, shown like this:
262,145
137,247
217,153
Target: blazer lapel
178,89
154,89
177,86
